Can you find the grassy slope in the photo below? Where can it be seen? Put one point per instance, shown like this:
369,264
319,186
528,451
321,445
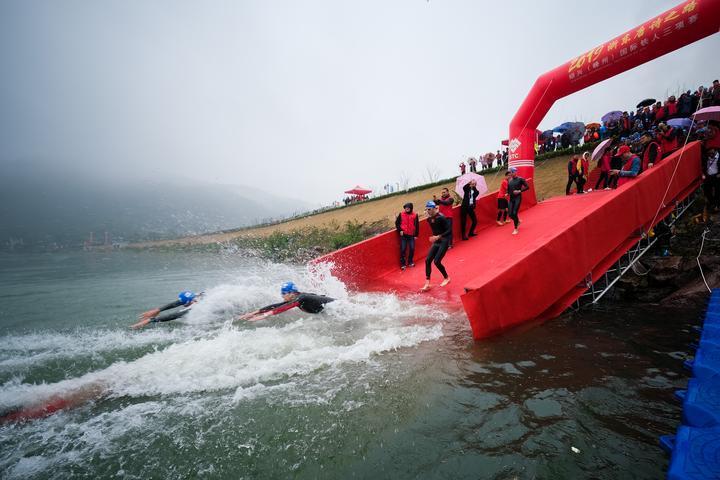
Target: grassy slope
550,179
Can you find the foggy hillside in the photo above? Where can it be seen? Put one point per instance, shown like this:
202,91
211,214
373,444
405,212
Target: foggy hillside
48,208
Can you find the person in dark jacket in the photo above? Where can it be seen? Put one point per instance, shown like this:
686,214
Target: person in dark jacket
439,244
292,297
467,208
179,308
516,185
408,226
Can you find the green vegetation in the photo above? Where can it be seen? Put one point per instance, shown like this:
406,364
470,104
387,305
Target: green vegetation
299,245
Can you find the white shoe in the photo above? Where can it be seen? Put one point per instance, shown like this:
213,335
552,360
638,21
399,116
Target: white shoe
589,190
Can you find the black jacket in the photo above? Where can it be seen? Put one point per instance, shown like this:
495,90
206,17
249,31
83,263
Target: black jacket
466,196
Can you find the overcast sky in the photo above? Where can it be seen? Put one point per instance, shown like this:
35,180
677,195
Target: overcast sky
308,97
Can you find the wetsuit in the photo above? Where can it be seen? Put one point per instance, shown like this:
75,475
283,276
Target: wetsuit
517,183
307,302
171,315
440,226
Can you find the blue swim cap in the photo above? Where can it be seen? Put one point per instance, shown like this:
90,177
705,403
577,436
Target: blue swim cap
186,297
512,170
430,204
288,287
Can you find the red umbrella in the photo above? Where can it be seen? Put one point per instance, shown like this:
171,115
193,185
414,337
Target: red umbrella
358,190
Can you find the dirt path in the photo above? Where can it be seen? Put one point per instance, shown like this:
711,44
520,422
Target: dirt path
550,179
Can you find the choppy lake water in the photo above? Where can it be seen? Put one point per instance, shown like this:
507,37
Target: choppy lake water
374,387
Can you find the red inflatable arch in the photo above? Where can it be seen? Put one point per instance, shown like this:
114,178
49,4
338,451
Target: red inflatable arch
684,24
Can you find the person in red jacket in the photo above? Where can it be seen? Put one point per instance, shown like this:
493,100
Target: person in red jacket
408,227
502,201
604,165
445,207
668,139
651,152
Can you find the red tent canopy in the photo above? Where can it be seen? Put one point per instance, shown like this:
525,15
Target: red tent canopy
358,190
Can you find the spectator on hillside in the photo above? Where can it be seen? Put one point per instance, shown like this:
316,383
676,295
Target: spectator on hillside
603,132
650,152
631,166
467,209
604,166
498,156
408,227
502,201
671,107
659,113
715,93
685,105
445,207
711,179
583,172
473,165
668,139
625,124
572,173
505,157
462,168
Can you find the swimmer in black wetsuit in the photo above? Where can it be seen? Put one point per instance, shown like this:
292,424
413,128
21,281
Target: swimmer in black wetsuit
440,239
185,300
307,302
516,185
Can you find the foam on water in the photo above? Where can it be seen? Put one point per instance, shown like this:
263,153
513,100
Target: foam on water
212,353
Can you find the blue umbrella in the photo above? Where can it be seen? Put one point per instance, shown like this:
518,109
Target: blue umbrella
546,134
562,128
680,122
613,116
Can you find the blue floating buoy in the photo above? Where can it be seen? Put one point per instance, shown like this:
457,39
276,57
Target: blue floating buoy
695,454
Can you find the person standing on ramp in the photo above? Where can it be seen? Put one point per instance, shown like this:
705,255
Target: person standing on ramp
516,185
439,240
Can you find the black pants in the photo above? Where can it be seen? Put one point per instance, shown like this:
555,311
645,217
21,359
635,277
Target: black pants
464,213
572,178
407,242
502,209
603,176
435,254
614,181
580,182
711,189
514,208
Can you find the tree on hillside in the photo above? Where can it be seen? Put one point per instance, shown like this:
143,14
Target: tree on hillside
432,173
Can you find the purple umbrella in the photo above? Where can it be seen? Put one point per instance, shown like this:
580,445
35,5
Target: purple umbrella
613,116
707,113
600,149
680,122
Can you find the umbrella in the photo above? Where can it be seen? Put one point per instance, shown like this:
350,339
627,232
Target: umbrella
358,190
646,103
546,135
564,127
463,180
613,116
592,125
600,149
680,122
707,113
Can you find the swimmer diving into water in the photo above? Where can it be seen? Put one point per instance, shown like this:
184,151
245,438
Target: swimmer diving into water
292,297
185,300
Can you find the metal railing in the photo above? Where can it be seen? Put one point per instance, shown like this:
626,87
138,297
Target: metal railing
597,288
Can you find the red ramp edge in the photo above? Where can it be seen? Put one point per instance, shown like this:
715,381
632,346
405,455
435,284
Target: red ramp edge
505,280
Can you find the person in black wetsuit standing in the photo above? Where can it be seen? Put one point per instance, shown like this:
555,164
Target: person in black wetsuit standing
179,307
292,297
440,239
516,185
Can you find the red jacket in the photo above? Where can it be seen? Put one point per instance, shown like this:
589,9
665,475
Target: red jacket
407,223
445,205
646,155
604,162
502,193
668,140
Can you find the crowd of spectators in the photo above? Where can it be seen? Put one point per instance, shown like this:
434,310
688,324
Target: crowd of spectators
484,162
642,137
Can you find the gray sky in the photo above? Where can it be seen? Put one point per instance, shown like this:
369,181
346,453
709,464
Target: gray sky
305,97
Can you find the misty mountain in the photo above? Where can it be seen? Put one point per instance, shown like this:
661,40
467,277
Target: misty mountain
49,208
